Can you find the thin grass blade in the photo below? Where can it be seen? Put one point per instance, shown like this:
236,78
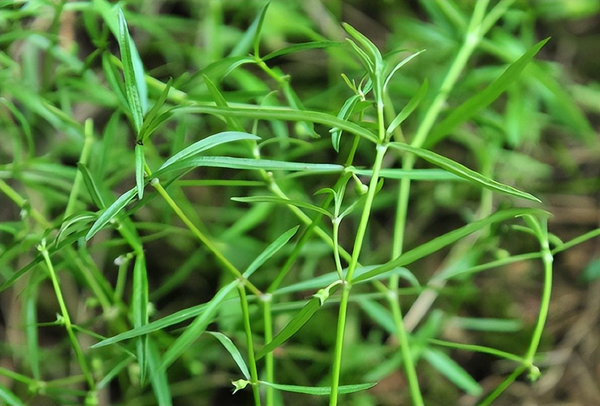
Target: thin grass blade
464,172
320,390
131,75
443,241
111,212
208,143
301,47
484,98
247,164
91,185
233,350
197,327
454,372
140,162
409,108
271,250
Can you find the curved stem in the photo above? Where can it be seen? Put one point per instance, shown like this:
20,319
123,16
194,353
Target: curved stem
66,318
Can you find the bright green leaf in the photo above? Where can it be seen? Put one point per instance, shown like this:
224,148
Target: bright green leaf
319,390
233,350
208,143
111,212
464,172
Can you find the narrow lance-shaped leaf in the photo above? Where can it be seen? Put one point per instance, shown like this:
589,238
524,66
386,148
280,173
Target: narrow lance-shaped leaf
131,83
301,47
247,164
399,65
160,384
111,212
477,348
344,114
451,370
279,200
320,390
220,101
271,250
464,172
152,119
197,327
409,108
379,314
140,161
160,324
295,324
208,143
414,174
483,99
91,186
443,241
366,44
329,278
9,398
233,350
259,23
283,113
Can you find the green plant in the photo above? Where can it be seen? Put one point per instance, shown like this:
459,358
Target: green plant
301,226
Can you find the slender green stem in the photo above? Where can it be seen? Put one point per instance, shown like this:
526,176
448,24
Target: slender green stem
336,246
502,387
66,318
358,242
287,266
249,343
269,358
200,235
471,40
547,259
407,358
83,158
